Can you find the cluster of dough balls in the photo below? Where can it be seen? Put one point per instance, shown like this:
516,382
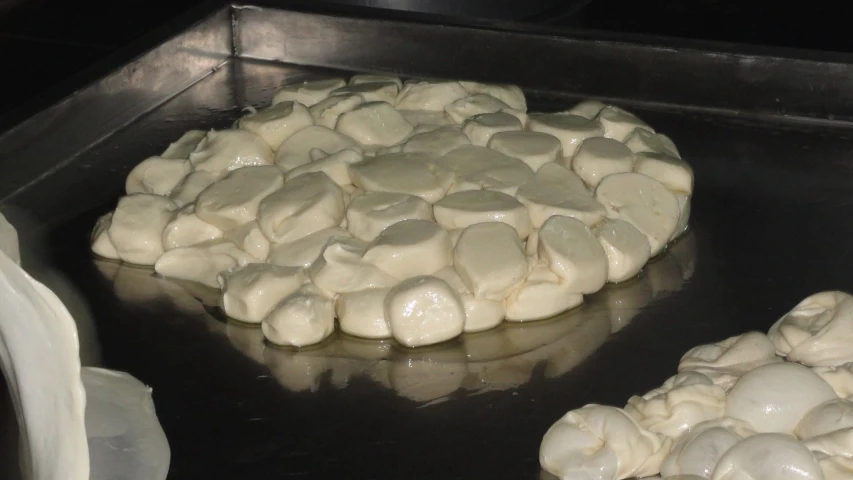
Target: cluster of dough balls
758,407
416,210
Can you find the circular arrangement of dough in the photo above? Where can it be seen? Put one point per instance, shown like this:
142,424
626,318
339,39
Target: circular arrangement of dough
413,210
748,407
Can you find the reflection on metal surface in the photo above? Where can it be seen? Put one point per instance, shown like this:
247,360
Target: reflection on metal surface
500,359
92,113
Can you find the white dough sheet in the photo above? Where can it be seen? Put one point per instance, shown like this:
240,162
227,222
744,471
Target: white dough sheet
125,439
116,435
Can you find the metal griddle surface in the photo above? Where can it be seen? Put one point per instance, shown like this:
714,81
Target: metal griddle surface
770,225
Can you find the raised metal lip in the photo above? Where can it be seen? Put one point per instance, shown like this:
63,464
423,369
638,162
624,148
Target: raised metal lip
11,119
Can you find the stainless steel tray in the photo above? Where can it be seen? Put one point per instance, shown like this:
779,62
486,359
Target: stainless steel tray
767,132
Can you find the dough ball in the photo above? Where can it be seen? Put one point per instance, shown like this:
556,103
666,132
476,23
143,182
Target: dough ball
304,318
423,311
775,397
818,332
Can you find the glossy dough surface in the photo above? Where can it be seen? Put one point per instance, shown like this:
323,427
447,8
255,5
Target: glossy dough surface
326,204
748,408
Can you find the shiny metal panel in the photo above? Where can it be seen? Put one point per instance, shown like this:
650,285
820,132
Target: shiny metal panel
701,75
53,136
769,227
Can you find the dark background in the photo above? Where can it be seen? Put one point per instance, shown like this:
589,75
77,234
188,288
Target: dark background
45,41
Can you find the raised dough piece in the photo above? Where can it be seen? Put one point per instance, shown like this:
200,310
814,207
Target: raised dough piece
835,467
234,200
225,150
362,313
522,116
309,92
490,259
371,91
775,397
671,171
99,242
699,449
837,443
683,401
573,253
480,128
429,96
304,205
818,332
543,294
340,268
187,191
374,77
413,173
326,112
599,157
828,417
467,107
462,209
202,263
840,378
157,175
250,239
424,311
250,293
618,124
370,213
509,94
184,146
726,361
336,166
303,252
480,313
571,130
642,140
424,120
136,228
440,141
601,442
768,456
374,123
587,109
278,122
296,150
303,318
377,151
410,248
533,148
556,191
642,201
627,249
480,168
186,229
